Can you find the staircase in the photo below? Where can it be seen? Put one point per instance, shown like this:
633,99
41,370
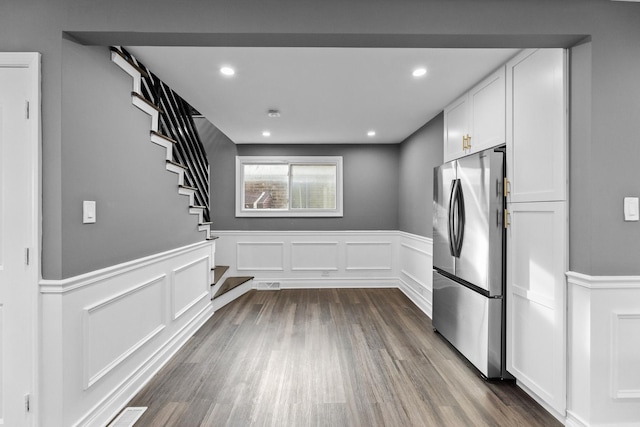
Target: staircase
227,290
172,127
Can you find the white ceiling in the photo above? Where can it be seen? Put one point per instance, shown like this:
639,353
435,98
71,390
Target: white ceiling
325,95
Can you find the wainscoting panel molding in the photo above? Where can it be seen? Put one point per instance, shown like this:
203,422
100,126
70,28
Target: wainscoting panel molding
260,256
314,256
190,285
115,328
625,356
369,255
107,332
603,350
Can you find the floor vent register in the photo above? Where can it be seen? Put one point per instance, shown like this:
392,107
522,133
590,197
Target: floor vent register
128,417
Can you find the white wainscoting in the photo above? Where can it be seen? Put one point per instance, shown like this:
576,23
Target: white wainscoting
310,259
604,350
106,333
331,259
416,270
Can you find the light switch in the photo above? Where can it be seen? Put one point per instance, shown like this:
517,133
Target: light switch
88,211
631,211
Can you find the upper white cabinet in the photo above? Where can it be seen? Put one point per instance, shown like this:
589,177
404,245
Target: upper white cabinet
476,120
536,126
456,128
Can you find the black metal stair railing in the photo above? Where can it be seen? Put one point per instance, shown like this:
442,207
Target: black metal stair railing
176,122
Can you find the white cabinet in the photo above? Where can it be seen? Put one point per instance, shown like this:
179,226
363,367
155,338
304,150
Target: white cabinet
456,128
536,299
537,249
476,120
536,126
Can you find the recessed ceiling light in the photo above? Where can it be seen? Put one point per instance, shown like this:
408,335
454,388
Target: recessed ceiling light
371,133
227,71
419,72
266,133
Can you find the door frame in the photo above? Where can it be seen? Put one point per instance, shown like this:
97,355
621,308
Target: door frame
32,62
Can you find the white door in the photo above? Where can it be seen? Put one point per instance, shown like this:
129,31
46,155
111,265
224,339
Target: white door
18,235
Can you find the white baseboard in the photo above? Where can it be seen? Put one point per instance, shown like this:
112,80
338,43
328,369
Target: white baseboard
325,283
420,301
560,417
574,421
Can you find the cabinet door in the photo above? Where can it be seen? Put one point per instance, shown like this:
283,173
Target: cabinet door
488,112
537,126
536,266
456,119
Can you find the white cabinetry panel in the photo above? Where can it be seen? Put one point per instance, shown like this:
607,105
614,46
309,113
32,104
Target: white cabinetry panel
456,126
536,126
476,120
536,242
488,113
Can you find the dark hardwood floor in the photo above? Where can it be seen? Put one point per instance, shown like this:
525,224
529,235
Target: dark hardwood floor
330,357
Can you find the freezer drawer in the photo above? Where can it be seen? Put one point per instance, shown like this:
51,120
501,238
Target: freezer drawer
471,322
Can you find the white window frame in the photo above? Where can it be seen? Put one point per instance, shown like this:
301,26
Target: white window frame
289,160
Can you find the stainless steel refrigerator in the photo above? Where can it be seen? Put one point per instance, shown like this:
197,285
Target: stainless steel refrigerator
469,258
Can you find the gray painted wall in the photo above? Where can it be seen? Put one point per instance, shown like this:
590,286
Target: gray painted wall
419,154
107,157
370,174
611,172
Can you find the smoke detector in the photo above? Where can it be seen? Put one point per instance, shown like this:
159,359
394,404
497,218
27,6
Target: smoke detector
273,113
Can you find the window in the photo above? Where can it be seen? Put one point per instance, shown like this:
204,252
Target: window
288,186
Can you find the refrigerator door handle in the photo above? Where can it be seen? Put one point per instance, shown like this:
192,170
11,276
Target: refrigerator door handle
456,218
459,235
451,223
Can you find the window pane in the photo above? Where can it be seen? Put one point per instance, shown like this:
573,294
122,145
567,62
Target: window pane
265,186
313,186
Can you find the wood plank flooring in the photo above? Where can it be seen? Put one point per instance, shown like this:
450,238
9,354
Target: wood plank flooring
327,357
